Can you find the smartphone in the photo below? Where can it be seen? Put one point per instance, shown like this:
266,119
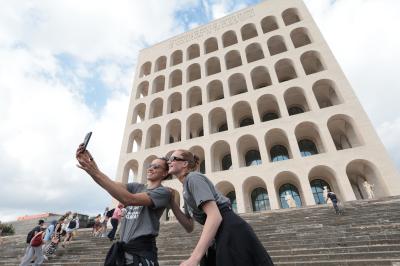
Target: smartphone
86,140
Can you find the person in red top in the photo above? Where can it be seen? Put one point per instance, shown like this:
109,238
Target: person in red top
115,221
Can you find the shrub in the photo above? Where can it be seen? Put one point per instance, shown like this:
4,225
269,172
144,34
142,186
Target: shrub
6,229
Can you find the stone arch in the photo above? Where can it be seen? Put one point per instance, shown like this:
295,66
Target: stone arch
229,38
275,138
343,132
210,45
142,89
158,84
213,66
156,108
249,185
241,111
193,51
328,175
326,93
199,151
220,151
161,63
145,69
290,16
237,84
153,136
248,31
312,62
173,131
269,24
176,57
284,178
175,78
296,101
174,103
134,141
217,120
300,37
193,72
228,190
233,59
194,97
268,108
254,52
194,126
260,77
248,151
308,131
358,171
130,172
285,70
276,45
215,91
138,113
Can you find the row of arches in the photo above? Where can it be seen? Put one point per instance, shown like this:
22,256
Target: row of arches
229,38
284,69
276,145
325,92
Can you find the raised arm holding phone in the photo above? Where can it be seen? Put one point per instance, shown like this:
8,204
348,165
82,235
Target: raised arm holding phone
144,206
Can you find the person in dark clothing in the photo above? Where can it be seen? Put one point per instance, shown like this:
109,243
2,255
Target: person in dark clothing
236,244
332,196
144,204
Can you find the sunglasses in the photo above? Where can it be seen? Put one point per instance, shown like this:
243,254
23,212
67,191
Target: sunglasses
175,159
155,166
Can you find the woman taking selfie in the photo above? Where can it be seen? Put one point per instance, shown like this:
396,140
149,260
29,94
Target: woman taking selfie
144,206
235,241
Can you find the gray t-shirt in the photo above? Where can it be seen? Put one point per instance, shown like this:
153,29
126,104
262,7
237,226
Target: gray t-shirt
144,220
198,189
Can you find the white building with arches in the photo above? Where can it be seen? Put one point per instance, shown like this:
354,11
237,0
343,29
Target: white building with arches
260,98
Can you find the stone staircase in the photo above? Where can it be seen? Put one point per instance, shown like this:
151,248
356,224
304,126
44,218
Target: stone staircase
368,233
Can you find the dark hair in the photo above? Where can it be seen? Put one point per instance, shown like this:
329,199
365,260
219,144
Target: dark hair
192,159
165,159
41,222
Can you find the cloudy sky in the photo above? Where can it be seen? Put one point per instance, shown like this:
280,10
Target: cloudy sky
66,67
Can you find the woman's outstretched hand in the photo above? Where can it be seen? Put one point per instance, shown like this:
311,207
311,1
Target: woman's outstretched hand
86,161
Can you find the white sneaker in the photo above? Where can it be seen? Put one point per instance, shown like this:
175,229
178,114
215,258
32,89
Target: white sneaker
45,258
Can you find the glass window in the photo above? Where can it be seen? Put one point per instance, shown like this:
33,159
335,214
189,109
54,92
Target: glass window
269,116
232,197
253,157
203,167
227,162
289,189
279,153
260,200
307,148
317,187
295,110
247,121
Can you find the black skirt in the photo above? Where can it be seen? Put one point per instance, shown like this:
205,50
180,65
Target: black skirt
237,244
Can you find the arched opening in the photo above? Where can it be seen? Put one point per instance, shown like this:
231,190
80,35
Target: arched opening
175,78
217,120
142,90
269,24
284,70
276,45
260,77
229,38
255,195
193,51
248,31
289,189
173,131
158,84
254,52
325,93
156,108
221,159
237,84
248,151
277,145
199,152
138,113
242,114
174,103
194,97
176,58
319,177
135,141
233,59
161,63
260,199
343,133
228,190
145,69
300,37
215,91
268,108
308,139
295,100
193,72
311,62
213,66
153,136
366,180
211,45
194,126
290,16
130,173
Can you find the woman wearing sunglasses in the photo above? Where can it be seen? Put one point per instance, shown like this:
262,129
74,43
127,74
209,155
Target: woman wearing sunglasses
235,241
144,206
